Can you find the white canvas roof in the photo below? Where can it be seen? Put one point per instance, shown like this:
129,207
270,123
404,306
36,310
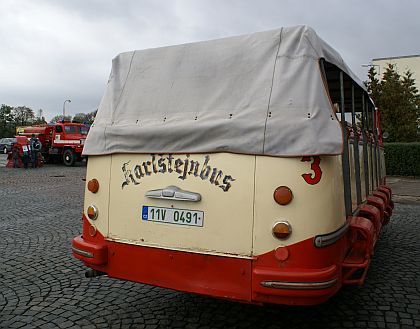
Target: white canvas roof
261,93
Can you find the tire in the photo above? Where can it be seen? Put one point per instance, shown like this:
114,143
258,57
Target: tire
69,157
4,150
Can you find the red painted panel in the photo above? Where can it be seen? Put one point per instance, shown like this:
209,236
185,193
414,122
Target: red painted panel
305,255
98,251
225,277
305,263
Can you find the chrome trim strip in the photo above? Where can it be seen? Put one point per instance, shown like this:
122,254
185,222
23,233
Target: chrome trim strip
173,193
299,285
327,239
82,252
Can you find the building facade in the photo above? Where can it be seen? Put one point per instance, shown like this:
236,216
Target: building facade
402,64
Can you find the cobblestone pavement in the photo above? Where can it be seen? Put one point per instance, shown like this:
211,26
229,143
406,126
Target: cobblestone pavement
43,286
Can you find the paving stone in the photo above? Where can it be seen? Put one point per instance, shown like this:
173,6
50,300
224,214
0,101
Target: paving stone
43,286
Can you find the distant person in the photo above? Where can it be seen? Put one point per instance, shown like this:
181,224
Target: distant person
15,155
35,148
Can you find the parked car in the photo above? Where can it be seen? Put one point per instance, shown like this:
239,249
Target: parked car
6,144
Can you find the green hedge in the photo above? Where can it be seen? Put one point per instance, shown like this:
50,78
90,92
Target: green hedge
402,159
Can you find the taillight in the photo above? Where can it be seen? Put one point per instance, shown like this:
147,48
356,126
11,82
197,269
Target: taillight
282,230
92,212
93,185
283,195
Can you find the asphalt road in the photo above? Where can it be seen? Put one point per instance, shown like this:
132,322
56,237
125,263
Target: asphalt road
43,286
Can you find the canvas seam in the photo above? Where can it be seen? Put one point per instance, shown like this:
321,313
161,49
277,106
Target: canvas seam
271,90
123,88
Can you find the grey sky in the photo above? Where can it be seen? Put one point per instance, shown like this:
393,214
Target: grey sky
57,50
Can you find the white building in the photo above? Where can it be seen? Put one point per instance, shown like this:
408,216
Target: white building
402,64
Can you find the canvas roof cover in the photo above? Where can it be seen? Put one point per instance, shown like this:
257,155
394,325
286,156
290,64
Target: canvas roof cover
260,93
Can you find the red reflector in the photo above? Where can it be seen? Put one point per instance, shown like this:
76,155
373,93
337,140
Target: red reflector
92,230
282,253
283,195
93,185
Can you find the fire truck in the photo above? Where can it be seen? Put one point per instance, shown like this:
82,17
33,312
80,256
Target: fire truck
61,141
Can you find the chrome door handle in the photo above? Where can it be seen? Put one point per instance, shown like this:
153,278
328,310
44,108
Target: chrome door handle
173,193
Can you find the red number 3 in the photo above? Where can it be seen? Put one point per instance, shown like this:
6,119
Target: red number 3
313,179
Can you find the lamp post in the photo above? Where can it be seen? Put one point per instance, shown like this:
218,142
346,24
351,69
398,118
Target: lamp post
64,107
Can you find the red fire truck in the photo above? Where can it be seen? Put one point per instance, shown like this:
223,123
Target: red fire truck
61,141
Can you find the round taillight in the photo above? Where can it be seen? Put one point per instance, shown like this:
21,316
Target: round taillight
92,212
283,195
93,185
282,230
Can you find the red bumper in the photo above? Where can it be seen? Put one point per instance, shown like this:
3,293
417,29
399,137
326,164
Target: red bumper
263,279
299,274
90,252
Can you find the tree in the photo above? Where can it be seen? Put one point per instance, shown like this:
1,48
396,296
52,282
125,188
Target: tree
85,117
7,128
23,116
90,117
40,119
80,117
60,117
399,101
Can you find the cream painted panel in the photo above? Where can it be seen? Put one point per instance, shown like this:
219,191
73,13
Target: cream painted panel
98,167
370,167
228,215
315,209
362,172
383,168
374,164
352,177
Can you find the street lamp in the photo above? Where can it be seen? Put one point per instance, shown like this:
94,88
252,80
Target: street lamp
373,65
64,107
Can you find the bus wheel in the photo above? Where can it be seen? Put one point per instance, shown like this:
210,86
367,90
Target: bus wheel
69,158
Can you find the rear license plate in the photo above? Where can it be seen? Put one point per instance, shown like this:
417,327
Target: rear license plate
173,216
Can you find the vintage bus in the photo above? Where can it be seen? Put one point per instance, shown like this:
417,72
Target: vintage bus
249,168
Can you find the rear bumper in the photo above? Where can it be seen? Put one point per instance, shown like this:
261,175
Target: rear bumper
91,253
224,277
295,286
247,280
300,274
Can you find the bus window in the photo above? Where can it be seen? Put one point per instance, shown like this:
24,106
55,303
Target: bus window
350,105
332,75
